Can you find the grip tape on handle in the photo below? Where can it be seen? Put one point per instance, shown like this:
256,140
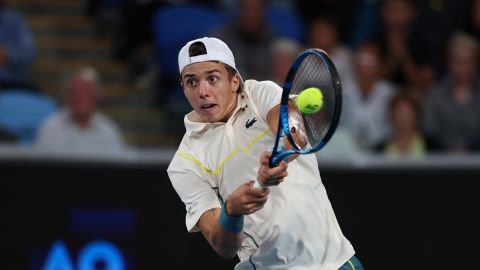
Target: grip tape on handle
258,185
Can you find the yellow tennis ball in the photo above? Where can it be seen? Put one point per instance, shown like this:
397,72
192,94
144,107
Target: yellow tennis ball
309,100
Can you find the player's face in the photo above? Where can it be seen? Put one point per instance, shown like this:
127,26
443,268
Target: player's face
210,91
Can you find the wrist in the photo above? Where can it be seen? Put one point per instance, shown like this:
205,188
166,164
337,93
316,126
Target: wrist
230,223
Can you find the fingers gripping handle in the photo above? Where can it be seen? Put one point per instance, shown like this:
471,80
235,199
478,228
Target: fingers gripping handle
273,162
257,183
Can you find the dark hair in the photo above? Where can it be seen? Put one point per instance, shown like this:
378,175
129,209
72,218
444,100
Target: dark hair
412,102
198,48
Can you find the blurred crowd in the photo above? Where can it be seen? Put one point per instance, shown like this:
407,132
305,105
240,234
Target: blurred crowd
409,69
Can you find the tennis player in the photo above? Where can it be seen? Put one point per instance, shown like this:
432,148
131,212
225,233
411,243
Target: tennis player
290,224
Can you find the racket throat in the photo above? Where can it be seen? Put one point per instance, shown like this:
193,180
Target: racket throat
279,156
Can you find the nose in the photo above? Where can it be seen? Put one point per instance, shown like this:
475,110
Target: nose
203,90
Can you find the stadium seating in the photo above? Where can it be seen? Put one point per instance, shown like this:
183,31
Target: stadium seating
175,25
285,22
23,111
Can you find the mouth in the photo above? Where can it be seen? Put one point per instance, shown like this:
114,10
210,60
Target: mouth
208,106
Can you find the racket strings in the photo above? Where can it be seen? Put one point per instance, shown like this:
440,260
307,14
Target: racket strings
313,72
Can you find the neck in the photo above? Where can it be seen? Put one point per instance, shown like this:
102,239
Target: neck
230,109
366,86
81,121
398,29
461,91
462,85
404,138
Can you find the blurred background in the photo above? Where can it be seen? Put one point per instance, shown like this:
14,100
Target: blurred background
91,113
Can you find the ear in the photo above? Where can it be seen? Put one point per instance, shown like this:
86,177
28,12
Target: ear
235,82
181,84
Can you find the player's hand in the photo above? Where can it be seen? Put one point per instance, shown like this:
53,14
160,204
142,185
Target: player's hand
271,176
246,199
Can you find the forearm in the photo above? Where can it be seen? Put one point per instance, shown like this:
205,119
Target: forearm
224,240
223,227
225,243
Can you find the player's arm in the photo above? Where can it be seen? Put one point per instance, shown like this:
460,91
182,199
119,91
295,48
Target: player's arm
225,243
272,118
223,227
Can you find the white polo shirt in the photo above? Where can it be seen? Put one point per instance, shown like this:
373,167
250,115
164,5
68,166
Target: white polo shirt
297,228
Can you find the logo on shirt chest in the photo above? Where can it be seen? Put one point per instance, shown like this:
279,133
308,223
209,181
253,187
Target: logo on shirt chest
250,122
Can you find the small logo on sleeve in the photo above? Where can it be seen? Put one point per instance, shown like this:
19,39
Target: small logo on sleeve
250,122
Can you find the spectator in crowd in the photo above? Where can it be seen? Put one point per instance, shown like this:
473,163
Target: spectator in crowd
250,39
452,111
79,128
403,48
366,99
472,23
17,49
406,138
345,9
323,34
422,82
284,52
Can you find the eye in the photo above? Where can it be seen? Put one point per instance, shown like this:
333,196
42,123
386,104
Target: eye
191,82
213,78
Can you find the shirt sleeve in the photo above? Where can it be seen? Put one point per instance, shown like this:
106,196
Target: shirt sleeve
264,94
193,188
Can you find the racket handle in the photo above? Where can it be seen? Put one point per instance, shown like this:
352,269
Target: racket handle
258,185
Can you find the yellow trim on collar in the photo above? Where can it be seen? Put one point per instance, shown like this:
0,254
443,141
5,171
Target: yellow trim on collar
217,171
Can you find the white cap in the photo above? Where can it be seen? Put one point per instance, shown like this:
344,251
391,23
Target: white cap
217,50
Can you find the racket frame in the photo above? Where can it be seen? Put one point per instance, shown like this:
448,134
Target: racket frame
283,126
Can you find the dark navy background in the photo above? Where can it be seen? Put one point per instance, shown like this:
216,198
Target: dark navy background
395,218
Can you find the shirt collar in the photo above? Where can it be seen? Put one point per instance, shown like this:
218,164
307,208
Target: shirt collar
193,123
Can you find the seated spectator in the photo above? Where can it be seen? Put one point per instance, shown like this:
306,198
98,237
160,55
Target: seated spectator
17,50
345,9
422,82
406,138
452,111
250,39
472,22
402,46
284,53
366,99
79,128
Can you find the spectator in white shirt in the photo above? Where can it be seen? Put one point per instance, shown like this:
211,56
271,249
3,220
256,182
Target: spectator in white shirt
79,128
366,99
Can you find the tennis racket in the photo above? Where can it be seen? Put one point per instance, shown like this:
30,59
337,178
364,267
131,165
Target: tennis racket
307,132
